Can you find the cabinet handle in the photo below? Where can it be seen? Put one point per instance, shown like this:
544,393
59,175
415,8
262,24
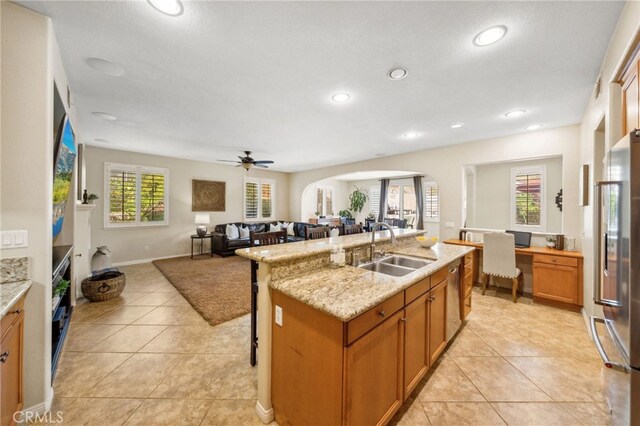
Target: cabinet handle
17,311
381,314
431,299
4,356
403,319
79,255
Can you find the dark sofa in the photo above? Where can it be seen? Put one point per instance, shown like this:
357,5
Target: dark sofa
224,246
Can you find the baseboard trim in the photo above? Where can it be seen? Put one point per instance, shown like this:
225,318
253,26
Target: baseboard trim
149,260
37,410
266,416
586,320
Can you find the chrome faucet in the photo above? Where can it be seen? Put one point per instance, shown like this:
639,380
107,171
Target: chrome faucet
375,253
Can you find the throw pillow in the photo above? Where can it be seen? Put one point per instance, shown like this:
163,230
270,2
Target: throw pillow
274,228
290,229
232,231
244,232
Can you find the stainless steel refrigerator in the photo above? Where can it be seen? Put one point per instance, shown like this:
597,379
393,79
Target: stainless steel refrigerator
617,283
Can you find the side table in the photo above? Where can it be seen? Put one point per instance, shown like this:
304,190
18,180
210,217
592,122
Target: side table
198,237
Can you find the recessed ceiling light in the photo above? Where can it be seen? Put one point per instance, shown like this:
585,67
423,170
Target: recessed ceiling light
516,113
105,67
168,7
341,97
411,135
490,35
533,127
456,125
102,140
104,116
397,74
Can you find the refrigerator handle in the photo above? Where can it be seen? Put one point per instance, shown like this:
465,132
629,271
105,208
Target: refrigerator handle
601,251
605,359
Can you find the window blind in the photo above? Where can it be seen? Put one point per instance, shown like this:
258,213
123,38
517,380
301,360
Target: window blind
152,197
374,199
266,200
328,202
251,200
319,200
122,196
431,202
528,195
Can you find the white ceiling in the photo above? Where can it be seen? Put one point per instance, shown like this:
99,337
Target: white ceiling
229,76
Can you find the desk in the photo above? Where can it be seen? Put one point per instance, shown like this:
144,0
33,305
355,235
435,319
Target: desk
202,238
557,274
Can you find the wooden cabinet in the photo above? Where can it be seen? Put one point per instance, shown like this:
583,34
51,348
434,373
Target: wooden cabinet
631,98
11,391
437,320
373,374
416,354
558,279
325,371
466,285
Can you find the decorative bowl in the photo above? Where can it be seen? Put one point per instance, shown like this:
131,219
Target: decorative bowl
427,242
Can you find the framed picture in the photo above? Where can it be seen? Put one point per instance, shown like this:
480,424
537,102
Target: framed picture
583,189
208,196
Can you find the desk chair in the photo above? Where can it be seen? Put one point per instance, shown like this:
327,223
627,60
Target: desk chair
259,239
499,260
319,232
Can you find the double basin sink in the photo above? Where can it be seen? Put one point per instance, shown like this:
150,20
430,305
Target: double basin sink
395,265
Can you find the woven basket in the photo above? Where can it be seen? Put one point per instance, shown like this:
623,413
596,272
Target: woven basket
100,291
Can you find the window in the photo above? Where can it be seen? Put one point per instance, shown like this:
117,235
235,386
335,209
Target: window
401,203
431,202
527,198
324,200
374,199
259,199
137,196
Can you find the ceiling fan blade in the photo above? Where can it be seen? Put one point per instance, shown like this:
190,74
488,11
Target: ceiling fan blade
262,166
243,159
228,161
263,162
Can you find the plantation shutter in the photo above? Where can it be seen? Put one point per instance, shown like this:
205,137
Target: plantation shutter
528,198
431,202
122,196
319,200
267,194
251,200
152,197
374,199
328,202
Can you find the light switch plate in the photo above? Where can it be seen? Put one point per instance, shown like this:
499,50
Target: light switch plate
14,239
279,315
450,224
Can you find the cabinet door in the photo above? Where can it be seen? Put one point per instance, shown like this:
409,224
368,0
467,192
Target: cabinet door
437,321
631,100
373,376
11,372
416,343
555,282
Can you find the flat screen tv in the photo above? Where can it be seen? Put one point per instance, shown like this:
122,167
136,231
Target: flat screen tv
65,155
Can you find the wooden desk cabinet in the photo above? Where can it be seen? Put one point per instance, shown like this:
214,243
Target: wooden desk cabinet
11,391
557,279
466,286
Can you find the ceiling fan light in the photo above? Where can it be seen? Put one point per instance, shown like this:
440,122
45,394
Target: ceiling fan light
246,166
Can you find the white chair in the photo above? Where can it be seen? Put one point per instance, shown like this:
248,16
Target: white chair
499,260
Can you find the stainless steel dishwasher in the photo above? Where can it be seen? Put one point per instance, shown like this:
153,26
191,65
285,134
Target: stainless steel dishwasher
453,299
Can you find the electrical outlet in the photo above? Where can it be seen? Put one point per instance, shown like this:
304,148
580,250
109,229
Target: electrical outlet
279,315
450,224
146,249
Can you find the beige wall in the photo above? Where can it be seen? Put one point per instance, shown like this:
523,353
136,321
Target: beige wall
30,63
607,106
308,198
128,244
444,165
490,199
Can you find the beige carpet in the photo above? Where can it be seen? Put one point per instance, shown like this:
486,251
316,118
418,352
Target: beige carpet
218,288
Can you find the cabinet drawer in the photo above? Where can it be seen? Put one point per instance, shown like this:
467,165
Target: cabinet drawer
468,283
468,259
374,316
417,290
439,276
11,316
466,306
556,260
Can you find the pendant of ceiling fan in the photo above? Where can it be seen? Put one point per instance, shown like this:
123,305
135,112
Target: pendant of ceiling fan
247,162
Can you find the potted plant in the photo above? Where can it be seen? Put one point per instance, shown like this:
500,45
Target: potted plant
551,241
345,213
357,199
371,216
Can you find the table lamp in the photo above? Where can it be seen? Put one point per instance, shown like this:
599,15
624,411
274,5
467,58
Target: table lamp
202,219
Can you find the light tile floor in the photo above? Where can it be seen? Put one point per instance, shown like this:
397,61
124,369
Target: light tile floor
148,358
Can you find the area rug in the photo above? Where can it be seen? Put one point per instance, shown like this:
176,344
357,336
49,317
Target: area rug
218,287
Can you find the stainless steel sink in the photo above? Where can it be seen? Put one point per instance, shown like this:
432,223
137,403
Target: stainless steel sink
387,269
407,262
395,265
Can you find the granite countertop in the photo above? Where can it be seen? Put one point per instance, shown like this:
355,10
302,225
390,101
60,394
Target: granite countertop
347,292
10,293
290,251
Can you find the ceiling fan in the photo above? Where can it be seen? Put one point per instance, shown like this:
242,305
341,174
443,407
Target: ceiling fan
247,162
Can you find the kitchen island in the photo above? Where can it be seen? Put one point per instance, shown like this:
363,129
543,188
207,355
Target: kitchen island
348,345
